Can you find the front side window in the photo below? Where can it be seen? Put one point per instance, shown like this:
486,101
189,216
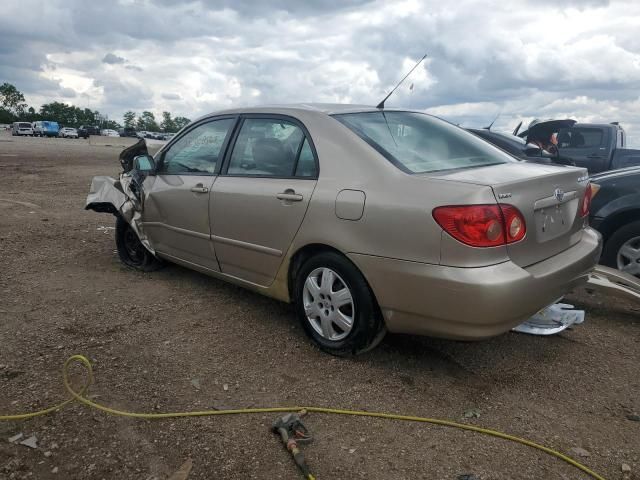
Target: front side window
269,147
419,143
197,151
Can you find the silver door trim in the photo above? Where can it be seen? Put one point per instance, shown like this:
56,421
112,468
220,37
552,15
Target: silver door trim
204,236
249,246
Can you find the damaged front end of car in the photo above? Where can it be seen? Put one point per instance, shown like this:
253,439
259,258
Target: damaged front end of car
124,197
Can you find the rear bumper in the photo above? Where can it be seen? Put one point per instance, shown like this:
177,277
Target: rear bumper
473,303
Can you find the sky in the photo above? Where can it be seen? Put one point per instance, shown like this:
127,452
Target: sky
517,59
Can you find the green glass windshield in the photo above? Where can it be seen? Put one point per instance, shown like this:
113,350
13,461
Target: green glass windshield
419,143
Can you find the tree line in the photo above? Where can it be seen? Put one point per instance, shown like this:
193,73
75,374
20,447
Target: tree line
14,108
147,122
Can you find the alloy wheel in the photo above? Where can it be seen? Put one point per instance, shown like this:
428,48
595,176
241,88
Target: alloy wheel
328,304
628,258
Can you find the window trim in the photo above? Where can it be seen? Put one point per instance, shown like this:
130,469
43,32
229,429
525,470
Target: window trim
270,116
223,149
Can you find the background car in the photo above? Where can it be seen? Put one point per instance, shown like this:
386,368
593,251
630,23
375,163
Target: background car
21,128
595,146
84,131
514,145
615,213
45,128
128,132
68,132
107,132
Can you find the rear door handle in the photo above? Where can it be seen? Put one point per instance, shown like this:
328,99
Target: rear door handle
199,189
290,195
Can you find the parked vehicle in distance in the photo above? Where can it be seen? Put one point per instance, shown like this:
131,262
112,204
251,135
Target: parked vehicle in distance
86,130
21,128
68,132
615,213
368,220
128,132
107,132
514,145
45,128
595,146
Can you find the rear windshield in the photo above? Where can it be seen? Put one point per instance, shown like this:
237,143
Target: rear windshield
420,143
24,125
579,137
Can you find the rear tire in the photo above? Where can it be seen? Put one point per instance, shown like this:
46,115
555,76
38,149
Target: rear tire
131,251
336,307
618,250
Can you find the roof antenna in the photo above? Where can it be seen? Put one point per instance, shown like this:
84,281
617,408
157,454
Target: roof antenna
381,104
494,121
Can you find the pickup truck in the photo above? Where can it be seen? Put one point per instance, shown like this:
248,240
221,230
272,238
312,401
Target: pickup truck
596,146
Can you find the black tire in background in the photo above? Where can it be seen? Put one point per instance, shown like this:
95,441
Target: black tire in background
616,241
368,327
131,251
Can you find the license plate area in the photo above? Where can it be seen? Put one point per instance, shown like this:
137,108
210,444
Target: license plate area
553,221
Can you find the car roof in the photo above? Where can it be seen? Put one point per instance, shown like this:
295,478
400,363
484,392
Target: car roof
597,125
323,108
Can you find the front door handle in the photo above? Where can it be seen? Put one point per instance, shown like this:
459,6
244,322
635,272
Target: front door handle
290,196
199,188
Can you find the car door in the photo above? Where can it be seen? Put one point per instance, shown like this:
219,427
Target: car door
176,206
261,197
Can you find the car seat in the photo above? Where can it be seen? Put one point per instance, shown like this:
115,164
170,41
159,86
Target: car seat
271,156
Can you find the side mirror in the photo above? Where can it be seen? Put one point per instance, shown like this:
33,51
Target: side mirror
532,150
144,164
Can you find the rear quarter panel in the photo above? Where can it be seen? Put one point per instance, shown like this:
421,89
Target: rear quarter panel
397,221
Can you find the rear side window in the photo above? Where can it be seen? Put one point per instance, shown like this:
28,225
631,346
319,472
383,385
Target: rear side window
271,148
306,166
419,143
579,138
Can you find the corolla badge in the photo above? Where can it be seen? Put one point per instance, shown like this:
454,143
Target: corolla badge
559,194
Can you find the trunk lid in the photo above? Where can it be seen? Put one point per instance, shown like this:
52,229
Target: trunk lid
549,198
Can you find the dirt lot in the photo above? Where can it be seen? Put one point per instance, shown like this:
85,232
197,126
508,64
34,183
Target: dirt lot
173,339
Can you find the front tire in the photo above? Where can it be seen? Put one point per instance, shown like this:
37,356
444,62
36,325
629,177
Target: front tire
336,306
131,251
622,250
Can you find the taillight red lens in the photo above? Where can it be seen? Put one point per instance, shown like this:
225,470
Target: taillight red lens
514,223
585,206
482,225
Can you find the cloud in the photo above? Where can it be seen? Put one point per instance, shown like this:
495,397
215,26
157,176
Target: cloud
113,59
523,58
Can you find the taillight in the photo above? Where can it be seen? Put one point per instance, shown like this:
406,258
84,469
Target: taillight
586,201
514,223
482,225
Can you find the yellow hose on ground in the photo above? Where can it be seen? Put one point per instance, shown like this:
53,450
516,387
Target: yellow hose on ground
79,397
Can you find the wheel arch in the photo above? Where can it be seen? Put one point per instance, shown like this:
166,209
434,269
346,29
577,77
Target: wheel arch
614,221
306,252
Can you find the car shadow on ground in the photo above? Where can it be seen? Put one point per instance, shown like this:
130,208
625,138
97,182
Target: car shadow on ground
481,364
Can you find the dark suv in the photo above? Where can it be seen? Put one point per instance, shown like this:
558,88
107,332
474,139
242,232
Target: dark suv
85,130
128,132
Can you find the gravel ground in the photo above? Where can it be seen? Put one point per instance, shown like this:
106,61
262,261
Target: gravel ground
178,340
